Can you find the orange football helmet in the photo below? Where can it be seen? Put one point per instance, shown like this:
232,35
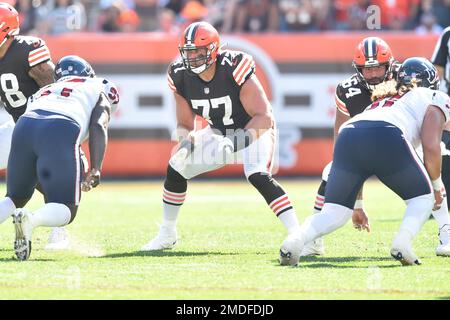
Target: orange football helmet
199,46
373,52
9,22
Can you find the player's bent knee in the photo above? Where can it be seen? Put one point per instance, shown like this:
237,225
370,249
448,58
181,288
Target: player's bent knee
259,179
267,186
19,203
425,200
73,211
174,182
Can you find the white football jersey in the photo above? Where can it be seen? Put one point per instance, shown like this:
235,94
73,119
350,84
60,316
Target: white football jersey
74,97
406,112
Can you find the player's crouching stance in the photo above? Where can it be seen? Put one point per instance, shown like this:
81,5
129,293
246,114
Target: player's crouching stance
221,87
46,148
381,141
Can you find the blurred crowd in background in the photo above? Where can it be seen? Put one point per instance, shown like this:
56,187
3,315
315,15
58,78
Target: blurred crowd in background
40,17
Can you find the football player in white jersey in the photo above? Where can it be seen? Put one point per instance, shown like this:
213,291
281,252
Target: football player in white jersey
382,141
46,148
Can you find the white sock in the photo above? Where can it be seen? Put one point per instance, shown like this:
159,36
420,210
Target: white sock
417,212
170,215
289,220
7,208
283,209
172,202
51,215
332,217
441,216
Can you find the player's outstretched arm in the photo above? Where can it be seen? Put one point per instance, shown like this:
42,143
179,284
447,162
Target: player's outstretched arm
256,104
432,126
43,73
98,139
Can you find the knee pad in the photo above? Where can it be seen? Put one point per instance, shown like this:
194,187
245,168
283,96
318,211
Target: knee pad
267,186
175,182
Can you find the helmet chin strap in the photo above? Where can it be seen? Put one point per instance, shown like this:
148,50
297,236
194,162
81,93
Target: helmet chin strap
200,69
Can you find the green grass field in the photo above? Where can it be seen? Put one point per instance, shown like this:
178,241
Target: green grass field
228,250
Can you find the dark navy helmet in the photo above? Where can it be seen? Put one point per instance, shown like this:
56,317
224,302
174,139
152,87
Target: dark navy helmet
73,66
418,70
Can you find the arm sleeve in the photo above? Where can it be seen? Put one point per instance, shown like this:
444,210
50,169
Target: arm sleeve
39,53
442,101
245,68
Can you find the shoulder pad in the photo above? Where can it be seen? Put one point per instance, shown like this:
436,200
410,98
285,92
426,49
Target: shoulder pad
442,101
111,91
242,65
174,74
38,51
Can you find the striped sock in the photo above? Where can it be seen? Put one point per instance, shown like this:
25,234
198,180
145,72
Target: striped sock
283,209
318,205
172,202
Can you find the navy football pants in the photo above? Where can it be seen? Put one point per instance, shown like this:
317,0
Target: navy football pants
367,148
45,148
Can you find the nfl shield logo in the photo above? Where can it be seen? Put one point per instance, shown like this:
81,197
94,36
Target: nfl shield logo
206,90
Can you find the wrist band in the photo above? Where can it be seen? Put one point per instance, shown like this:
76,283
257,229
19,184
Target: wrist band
358,204
437,184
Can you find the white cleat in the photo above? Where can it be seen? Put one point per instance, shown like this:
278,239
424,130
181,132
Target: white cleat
24,231
443,248
166,239
402,251
290,249
313,248
58,240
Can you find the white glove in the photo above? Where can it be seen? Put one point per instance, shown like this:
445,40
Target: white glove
225,149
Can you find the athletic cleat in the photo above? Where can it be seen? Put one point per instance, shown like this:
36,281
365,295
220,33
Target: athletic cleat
166,239
24,231
290,250
443,248
313,248
58,240
404,253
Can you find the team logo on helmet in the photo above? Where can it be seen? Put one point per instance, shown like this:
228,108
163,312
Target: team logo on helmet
418,71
